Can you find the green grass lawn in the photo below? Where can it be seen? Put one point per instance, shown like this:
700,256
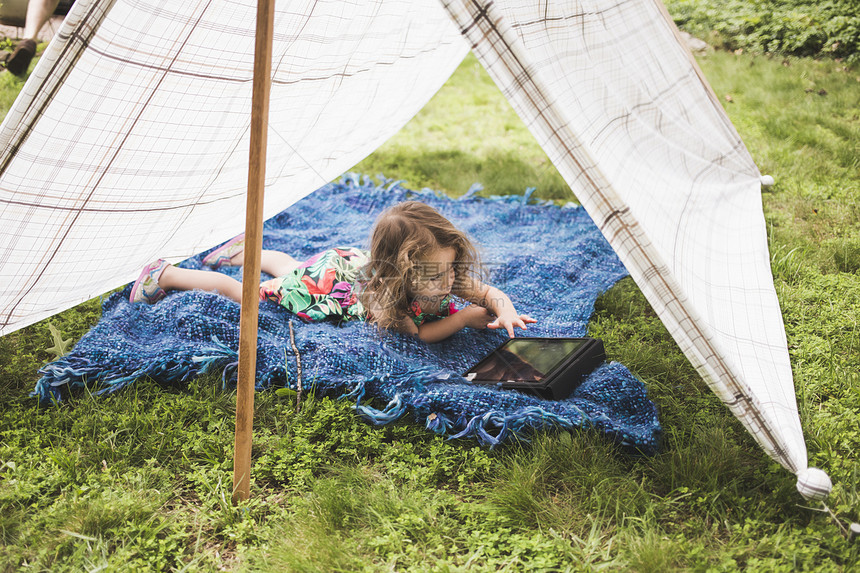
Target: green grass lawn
141,479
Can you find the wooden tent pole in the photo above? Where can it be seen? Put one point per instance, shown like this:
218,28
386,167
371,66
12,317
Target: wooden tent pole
248,320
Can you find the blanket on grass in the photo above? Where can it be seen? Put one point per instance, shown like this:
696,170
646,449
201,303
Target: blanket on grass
551,260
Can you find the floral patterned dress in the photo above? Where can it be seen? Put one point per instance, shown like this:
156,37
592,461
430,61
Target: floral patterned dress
322,287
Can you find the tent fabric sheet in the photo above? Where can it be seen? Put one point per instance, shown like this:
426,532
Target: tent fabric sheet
130,141
613,98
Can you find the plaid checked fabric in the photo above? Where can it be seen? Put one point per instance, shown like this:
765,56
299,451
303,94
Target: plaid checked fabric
615,99
130,142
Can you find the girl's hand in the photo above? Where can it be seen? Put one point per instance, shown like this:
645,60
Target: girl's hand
509,322
475,316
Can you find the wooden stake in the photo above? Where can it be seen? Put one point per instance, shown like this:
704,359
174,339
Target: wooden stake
298,370
248,321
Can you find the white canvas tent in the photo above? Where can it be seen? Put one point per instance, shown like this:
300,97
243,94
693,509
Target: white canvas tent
130,142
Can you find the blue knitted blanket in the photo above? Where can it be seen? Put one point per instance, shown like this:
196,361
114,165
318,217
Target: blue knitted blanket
551,261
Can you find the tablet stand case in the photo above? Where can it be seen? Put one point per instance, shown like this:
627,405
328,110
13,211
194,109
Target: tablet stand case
561,380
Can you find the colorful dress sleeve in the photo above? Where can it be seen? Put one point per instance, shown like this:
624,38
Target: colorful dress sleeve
446,308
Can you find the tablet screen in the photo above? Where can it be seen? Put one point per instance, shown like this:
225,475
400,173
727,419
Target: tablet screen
526,359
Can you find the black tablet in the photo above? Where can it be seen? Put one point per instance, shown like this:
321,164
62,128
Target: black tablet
549,367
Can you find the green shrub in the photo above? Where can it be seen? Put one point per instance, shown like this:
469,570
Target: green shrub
795,27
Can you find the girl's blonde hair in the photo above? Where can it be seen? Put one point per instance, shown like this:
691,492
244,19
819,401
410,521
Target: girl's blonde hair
402,237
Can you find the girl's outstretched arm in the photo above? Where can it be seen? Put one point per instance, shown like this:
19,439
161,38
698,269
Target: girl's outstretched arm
498,303
473,316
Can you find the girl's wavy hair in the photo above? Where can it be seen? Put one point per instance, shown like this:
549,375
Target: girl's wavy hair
402,236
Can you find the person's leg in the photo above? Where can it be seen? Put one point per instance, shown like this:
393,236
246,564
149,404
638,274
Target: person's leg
277,263
38,12
189,279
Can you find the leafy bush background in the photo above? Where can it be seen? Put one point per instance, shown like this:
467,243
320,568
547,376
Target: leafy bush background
796,27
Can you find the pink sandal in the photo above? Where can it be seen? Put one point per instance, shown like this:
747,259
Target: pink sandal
146,287
222,256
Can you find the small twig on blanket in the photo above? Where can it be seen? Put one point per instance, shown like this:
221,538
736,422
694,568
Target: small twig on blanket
298,369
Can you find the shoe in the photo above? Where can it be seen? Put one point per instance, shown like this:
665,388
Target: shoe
19,60
146,287
222,256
